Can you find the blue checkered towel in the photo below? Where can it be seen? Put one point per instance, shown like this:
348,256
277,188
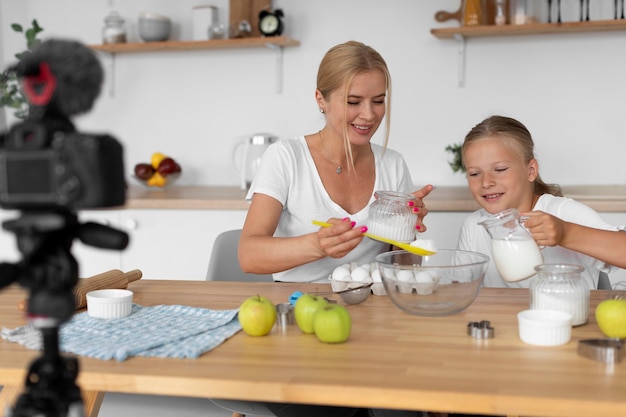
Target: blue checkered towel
165,331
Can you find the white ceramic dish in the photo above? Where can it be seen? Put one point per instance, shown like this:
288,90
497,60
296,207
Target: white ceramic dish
109,304
544,327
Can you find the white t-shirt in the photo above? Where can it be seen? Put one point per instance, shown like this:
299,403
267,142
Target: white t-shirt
288,174
474,237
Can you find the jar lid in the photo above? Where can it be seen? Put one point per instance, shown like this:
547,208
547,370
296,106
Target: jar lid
114,17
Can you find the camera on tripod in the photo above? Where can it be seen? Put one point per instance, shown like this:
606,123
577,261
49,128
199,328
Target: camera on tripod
43,168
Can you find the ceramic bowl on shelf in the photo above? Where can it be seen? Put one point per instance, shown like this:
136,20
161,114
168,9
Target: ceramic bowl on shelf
153,27
437,285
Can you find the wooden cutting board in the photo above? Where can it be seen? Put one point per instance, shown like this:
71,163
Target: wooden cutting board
113,279
248,10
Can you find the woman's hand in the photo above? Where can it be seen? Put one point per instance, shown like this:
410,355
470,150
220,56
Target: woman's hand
419,208
341,238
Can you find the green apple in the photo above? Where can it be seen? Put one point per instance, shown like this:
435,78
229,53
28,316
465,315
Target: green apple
257,315
332,324
304,310
611,317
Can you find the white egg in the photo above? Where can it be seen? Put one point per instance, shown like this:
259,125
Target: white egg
360,274
375,273
341,273
405,276
423,277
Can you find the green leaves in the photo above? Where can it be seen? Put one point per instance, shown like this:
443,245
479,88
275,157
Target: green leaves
11,94
457,161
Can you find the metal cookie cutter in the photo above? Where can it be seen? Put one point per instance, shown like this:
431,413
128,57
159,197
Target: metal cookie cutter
480,329
608,351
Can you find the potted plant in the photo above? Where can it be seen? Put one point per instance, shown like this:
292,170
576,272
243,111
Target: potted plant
457,161
11,94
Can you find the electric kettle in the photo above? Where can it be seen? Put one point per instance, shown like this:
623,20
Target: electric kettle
247,156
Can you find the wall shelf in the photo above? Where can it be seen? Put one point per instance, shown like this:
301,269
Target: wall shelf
460,34
530,29
277,44
239,43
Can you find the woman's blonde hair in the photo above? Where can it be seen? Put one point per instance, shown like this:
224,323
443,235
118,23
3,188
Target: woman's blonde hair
517,137
339,67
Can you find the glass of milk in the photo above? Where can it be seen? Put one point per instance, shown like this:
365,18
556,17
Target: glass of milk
514,251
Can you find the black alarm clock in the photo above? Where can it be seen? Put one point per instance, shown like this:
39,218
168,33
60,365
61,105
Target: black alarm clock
270,22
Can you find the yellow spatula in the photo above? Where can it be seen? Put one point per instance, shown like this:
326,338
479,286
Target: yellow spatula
405,246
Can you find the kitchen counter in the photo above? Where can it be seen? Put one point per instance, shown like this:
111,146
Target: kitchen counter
602,198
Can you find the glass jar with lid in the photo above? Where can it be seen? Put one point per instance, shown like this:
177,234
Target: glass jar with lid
114,30
390,216
561,287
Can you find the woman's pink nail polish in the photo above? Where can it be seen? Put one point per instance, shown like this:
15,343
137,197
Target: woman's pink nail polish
416,209
352,224
363,229
418,227
345,219
411,203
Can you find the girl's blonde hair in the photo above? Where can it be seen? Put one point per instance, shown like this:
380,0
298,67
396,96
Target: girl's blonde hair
514,135
339,67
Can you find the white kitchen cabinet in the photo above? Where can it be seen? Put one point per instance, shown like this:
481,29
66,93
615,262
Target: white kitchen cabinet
164,244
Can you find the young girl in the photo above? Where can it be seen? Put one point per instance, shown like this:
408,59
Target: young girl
502,173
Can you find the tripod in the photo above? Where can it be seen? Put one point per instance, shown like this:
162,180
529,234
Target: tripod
49,272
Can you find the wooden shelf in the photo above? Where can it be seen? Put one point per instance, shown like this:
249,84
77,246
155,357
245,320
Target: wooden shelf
239,43
277,43
529,29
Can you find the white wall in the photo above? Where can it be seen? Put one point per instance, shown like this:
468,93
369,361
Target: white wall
569,89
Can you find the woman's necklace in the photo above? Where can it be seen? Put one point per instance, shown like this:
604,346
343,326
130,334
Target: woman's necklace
339,170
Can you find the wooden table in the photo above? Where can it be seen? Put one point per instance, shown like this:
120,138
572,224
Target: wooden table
392,359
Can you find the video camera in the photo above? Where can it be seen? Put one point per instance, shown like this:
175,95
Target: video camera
42,168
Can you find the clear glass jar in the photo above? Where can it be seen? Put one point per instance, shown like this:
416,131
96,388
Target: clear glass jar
114,30
390,216
561,287
217,30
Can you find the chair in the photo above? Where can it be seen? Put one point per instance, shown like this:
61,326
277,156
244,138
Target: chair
224,266
604,283
224,261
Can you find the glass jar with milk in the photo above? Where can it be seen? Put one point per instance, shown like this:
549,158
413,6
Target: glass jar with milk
514,250
390,216
561,287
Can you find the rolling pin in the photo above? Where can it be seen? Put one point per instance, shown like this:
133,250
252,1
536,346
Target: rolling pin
113,279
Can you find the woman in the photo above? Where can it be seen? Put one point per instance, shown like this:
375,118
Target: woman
327,175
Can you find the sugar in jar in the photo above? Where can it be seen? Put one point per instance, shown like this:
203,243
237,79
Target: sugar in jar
113,30
561,287
390,216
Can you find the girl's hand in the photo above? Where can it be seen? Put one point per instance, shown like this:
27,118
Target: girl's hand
419,208
546,229
339,239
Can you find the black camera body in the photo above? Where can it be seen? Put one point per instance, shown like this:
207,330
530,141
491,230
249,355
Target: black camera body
42,167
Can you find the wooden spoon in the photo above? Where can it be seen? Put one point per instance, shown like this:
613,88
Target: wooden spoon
407,247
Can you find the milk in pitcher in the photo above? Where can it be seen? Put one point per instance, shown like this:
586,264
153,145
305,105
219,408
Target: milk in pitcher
515,259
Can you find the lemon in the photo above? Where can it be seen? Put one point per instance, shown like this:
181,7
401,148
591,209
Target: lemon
156,159
157,180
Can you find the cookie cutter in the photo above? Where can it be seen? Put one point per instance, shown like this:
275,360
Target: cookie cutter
480,329
608,351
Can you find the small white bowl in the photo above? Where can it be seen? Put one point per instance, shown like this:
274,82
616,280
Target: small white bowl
109,304
544,327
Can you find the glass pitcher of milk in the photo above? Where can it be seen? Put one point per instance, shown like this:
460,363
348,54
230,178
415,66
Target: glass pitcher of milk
514,251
